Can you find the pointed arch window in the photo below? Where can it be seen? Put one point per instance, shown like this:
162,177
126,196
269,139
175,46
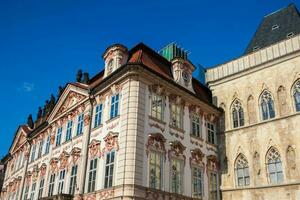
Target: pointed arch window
296,95
274,166
242,171
267,105
237,114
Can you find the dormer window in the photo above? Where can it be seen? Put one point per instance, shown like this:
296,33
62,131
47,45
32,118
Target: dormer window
114,57
186,78
289,35
274,27
255,48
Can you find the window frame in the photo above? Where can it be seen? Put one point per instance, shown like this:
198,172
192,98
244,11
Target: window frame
158,185
266,101
80,126
114,106
92,173
40,151
176,114
157,115
213,183
196,194
211,132
73,179
237,114
47,148
61,181
276,163
98,115
180,177
32,193
33,152
242,160
58,136
199,123
69,130
109,178
51,185
295,94
41,188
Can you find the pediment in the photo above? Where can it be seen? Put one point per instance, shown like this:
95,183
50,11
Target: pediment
20,138
70,98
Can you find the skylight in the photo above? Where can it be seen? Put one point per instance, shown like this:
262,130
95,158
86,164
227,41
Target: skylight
274,27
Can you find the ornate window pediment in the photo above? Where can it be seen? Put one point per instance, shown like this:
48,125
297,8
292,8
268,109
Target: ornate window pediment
196,157
94,149
75,153
43,169
54,164
111,142
212,163
177,150
156,142
64,160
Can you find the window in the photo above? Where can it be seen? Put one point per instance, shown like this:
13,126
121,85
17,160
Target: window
274,27
33,153
42,181
196,126
296,94
58,136
114,107
51,185
110,66
274,166
155,170
211,133
237,114
157,106
176,116
80,124
32,191
92,175
47,145
61,181
40,148
256,48
69,130
213,186
26,192
98,115
176,176
109,169
197,182
242,171
73,180
267,106
289,35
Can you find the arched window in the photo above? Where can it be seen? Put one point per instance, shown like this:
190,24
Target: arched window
267,105
296,94
242,171
237,114
274,166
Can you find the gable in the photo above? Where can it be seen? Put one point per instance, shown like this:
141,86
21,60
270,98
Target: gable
19,139
70,98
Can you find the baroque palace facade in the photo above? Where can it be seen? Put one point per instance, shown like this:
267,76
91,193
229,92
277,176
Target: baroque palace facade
143,128
260,95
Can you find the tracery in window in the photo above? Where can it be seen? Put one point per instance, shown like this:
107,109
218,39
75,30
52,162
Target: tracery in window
296,95
274,166
242,171
237,114
267,105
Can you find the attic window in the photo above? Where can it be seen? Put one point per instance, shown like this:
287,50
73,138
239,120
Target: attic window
274,27
255,48
289,35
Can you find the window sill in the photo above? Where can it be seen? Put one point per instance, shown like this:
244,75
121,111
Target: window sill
97,127
112,119
196,137
177,129
157,120
211,144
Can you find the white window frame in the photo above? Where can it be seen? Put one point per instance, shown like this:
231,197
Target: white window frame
109,178
211,132
80,127
32,194
92,174
51,185
179,188
176,113
61,181
41,188
114,106
47,148
98,115
69,130
196,180
73,179
154,110
155,165
197,124
58,136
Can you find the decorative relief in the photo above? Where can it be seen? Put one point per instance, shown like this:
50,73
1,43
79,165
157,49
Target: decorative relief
107,194
212,163
90,197
112,125
64,160
99,99
75,153
177,133
28,177
87,119
157,125
156,141
111,142
195,109
94,149
70,101
35,173
196,141
177,150
115,89
43,170
53,165
176,99
157,89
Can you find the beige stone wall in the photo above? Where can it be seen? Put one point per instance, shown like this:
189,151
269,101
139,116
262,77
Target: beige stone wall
257,136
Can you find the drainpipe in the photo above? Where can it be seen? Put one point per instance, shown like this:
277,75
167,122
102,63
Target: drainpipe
87,146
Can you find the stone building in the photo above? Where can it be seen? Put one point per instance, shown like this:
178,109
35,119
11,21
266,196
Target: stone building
260,95
143,128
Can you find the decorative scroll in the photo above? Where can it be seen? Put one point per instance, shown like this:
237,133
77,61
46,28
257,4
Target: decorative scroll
43,170
94,149
75,153
53,165
156,141
111,142
196,157
64,160
177,150
157,89
212,163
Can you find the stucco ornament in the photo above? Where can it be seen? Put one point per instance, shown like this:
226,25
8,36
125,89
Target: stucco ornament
111,142
75,153
156,142
53,165
196,157
212,163
43,170
64,160
177,150
94,149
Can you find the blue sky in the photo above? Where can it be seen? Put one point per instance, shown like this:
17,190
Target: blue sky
44,43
